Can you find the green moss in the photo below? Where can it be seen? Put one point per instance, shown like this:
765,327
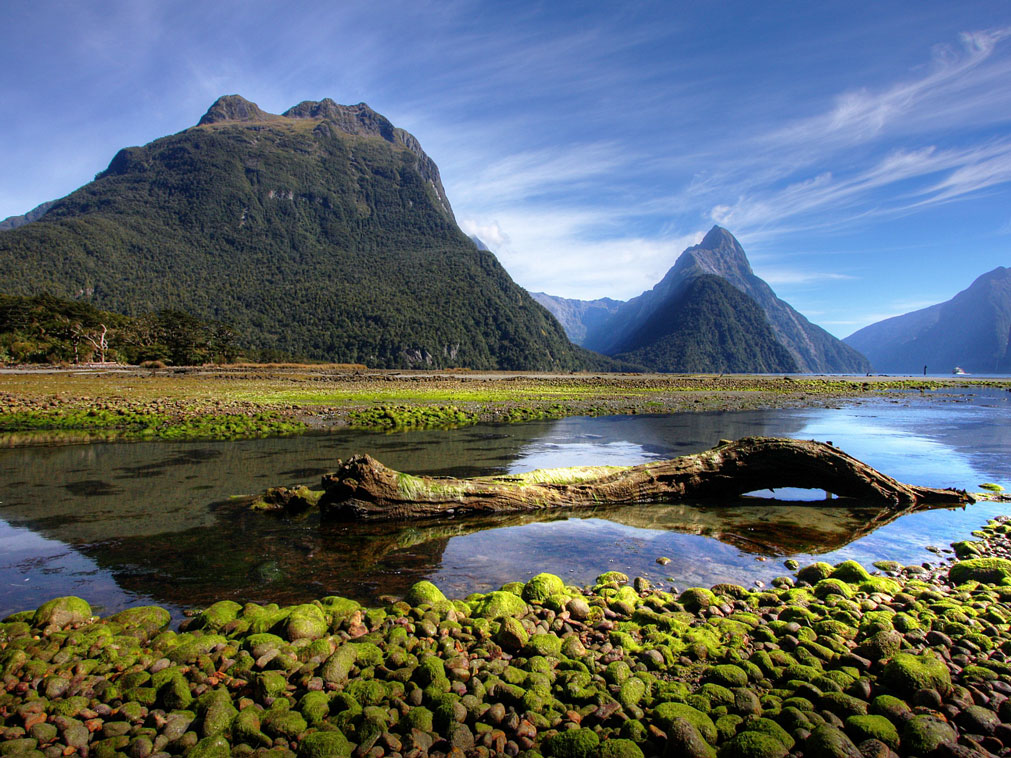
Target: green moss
61,611
541,587
923,734
574,743
611,577
752,744
851,572
905,673
832,586
619,748
305,621
697,598
985,570
424,592
211,747
496,604
665,713
329,744
875,727
217,615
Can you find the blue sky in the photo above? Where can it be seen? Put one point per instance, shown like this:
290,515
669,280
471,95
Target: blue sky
861,152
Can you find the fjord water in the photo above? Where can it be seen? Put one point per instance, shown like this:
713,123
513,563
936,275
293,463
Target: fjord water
128,523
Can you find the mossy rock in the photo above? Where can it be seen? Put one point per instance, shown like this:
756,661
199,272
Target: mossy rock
983,570
217,615
815,572
666,713
850,572
211,747
422,593
872,727
149,618
880,584
305,622
695,599
574,743
923,734
283,723
419,717
270,683
611,578
826,741
337,668
727,675
545,644
62,611
771,728
752,744
619,748
541,587
905,673
329,744
832,586
511,634
685,741
500,603
314,707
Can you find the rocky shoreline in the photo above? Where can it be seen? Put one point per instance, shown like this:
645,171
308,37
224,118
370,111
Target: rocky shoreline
829,661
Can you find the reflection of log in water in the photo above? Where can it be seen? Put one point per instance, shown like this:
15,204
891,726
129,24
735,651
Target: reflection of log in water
779,529
363,488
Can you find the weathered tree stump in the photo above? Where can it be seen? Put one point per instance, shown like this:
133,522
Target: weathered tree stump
363,488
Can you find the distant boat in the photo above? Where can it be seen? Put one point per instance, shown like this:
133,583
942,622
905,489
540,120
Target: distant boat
959,371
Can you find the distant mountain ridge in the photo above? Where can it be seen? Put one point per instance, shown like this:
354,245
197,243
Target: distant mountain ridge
809,347
578,317
323,232
972,330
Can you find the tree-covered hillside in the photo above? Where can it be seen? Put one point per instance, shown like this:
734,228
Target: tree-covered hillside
321,234
709,327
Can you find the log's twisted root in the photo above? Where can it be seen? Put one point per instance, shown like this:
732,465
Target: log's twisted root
363,488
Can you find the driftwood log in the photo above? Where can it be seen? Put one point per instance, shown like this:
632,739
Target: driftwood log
363,488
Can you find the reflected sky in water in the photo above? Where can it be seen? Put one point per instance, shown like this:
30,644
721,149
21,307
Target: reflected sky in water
126,523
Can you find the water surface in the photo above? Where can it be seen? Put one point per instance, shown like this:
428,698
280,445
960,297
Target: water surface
123,523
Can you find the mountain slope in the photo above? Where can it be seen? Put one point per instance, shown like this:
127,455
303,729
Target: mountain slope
972,330
720,254
323,232
578,317
709,327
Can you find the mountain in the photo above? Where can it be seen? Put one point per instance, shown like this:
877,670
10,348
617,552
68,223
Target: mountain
710,326
972,331
811,348
577,317
323,232
13,222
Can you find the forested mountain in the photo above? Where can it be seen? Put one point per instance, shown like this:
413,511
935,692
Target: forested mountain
323,233
709,326
972,331
720,254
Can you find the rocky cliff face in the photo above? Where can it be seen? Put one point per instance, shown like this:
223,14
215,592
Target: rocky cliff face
972,331
578,317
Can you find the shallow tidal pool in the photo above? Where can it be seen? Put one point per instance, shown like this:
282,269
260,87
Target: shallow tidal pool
156,522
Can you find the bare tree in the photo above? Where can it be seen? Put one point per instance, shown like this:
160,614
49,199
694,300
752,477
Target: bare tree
100,343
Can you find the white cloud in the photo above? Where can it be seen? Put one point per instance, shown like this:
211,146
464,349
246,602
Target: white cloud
778,276
490,234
